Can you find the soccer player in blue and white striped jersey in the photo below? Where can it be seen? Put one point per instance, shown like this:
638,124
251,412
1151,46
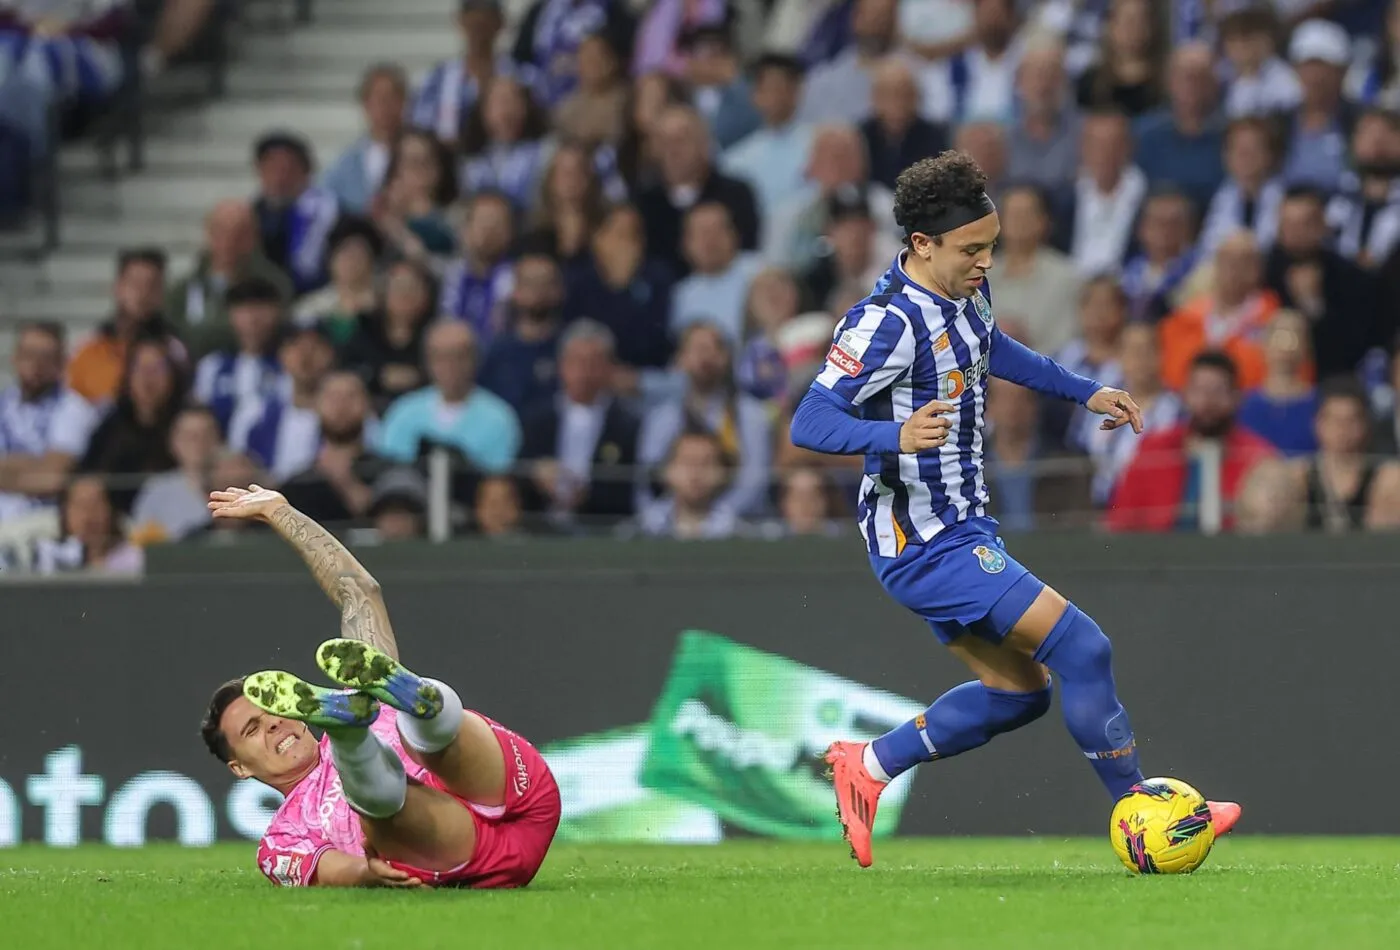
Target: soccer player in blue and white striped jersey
905,384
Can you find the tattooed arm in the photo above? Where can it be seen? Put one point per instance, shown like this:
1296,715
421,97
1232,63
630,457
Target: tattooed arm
363,615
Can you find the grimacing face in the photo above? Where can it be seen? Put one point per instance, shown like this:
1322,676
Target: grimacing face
266,747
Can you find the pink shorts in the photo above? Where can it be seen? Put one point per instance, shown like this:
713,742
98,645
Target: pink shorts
512,840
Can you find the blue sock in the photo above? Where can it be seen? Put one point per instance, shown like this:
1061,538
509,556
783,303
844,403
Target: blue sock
963,718
1080,656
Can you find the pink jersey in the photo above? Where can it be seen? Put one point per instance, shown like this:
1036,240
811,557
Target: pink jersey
315,817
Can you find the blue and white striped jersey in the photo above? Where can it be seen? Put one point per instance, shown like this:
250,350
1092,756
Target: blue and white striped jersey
903,347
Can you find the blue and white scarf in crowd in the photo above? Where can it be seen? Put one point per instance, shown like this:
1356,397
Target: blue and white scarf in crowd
1143,288
222,380
1227,214
312,217
559,31
514,170
449,93
1364,235
477,301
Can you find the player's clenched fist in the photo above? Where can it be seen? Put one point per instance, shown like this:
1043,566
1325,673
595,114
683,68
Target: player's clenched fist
926,429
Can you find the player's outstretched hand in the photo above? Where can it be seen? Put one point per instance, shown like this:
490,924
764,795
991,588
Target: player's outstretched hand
253,503
925,429
1118,406
384,875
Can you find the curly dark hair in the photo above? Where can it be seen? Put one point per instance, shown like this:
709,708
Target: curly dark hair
214,738
929,188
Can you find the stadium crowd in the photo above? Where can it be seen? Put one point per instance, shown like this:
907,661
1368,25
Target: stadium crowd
599,255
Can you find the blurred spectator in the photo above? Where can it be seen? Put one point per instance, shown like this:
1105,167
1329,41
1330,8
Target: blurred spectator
341,483
647,99
1043,141
1374,80
978,82
280,429
195,305
497,511
1270,499
386,349
294,216
44,425
1281,410
839,90
895,134
358,173
695,472
400,505
1029,481
1230,317
1338,298
986,143
1161,489
1320,51
504,144
771,158
1094,352
667,28
1386,439
453,412
1107,196
717,87
95,368
804,505
1154,277
687,179
1182,142
582,448
1035,283
1365,215
475,286
451,89
1343,488
1111,452
571,203
1260,83
718,285
233,468
595,113
552,31
773,301
1252,192
838,165
92,535
710,403
621,286
174,504
851,249
355,246
226,378
410,211
520,364
133,438
1130,71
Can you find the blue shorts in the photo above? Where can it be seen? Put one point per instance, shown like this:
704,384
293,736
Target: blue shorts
961,582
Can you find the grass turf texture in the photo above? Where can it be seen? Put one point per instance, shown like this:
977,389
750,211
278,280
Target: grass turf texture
1273,893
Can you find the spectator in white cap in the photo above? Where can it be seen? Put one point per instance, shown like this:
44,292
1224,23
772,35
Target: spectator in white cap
1321,52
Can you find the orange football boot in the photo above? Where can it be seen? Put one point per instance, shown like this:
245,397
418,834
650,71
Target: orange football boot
1223,816
857,797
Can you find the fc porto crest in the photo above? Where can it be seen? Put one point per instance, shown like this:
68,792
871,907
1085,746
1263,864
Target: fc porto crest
984,309
992,560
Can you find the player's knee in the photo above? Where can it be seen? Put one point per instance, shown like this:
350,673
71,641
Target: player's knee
1078,644
1022,708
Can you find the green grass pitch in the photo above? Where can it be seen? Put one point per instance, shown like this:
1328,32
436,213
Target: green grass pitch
1036,894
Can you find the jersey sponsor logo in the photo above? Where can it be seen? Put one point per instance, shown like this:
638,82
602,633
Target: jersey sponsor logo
955,382
991,560
844,360
920,722
984,309
941,343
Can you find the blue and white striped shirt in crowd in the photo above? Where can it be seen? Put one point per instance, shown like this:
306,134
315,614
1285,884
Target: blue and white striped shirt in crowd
223,380
477,300
560,29
903,347
449,93
58,421
1367,231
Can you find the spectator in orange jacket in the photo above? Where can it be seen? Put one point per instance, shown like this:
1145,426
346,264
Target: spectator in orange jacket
1230,318
1161,489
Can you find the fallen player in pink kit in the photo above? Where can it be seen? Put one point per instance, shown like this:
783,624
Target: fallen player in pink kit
406,788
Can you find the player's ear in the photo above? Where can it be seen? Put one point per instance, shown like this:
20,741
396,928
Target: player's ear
238,769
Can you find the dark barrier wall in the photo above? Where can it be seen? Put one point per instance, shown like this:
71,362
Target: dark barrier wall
1257,670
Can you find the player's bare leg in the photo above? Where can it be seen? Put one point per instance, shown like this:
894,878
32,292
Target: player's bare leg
456,746
1069,643
403,821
